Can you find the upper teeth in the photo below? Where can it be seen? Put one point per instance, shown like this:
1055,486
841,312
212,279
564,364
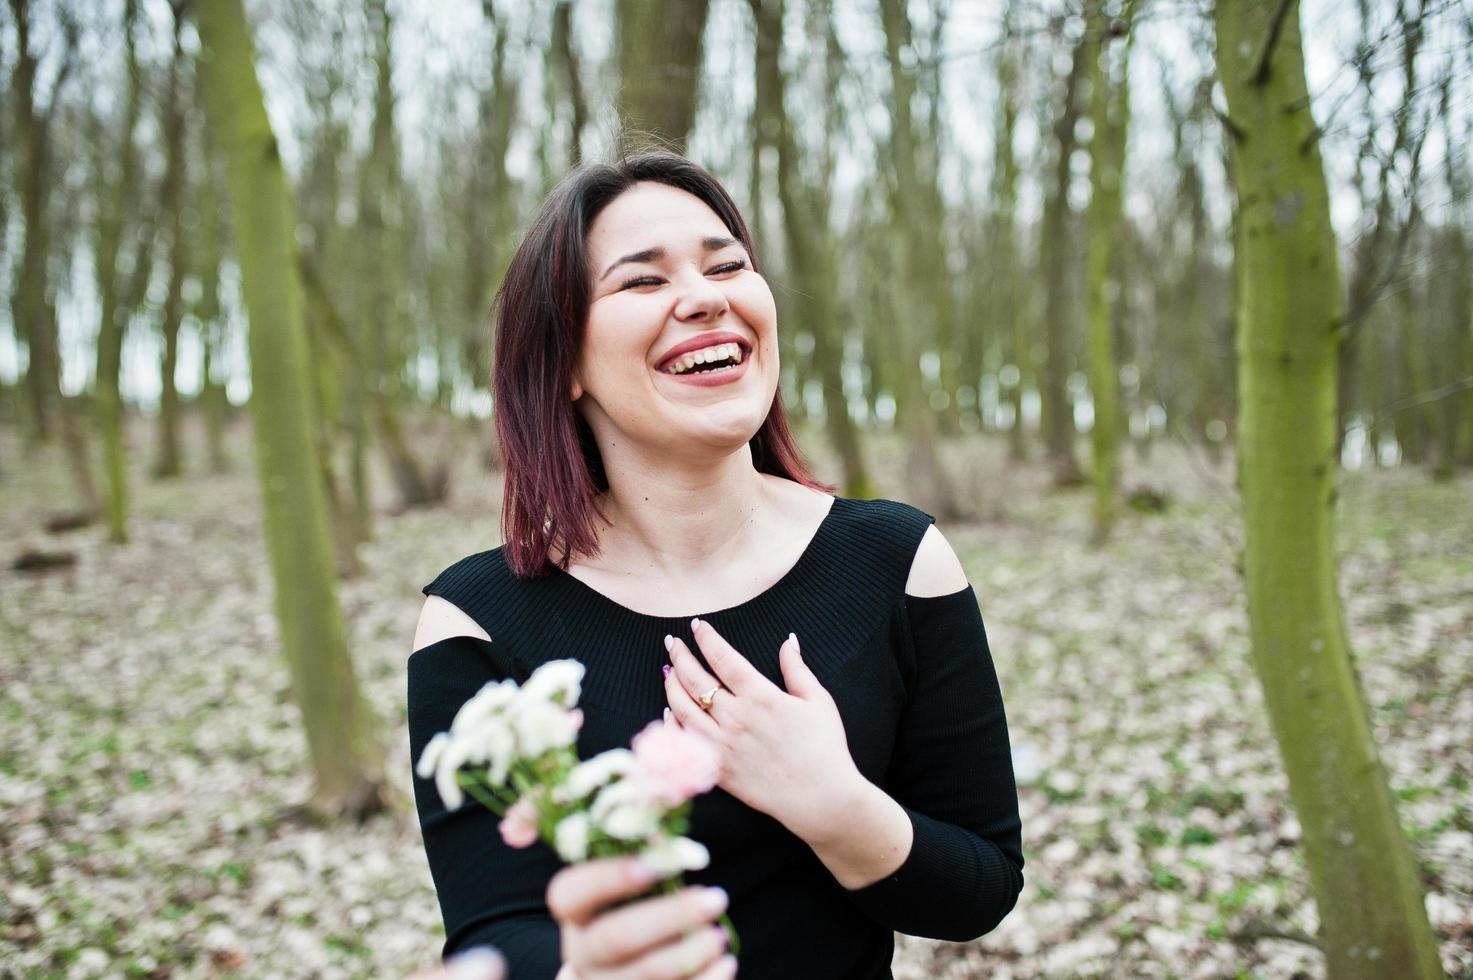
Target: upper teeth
705,355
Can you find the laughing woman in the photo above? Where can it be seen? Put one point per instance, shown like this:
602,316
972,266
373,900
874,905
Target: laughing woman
662,528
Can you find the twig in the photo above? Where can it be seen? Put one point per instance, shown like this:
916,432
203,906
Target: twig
1275,29
1253,932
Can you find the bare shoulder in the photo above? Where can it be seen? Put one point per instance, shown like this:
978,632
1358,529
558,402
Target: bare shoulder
440,619
935,570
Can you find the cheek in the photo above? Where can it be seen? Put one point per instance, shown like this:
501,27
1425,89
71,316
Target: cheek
753,301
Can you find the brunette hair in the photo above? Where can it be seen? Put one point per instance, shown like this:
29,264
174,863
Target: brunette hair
553,468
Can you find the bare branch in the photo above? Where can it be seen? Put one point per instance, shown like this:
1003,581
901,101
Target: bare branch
1271,41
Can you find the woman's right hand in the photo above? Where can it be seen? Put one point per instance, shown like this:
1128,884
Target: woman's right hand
663,937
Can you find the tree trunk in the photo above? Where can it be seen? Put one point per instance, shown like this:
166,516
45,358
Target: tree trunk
914,247
28,302
1289,322
659,55
810,252
1058,409
339,723
115,208
1110,112
382,205
1007,268
213,399
171,204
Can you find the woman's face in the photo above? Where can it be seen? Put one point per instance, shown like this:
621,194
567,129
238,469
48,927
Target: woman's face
668,277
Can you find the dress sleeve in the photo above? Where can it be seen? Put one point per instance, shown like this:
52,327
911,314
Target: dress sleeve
952,771
490,893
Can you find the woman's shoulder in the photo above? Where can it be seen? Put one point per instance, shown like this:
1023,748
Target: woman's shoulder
893,523
473,596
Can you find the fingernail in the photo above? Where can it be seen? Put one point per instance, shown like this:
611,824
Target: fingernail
669,642
695,624
794,638
728,962
713,899
665,670
667,716
640,873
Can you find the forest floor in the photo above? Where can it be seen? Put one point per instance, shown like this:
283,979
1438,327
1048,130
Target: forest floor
148,743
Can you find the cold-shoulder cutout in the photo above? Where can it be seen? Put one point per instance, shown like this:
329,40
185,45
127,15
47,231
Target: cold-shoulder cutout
440,619
936,570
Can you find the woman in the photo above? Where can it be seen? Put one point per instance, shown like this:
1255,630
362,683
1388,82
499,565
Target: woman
658,514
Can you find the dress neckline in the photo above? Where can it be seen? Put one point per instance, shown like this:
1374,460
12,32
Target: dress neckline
793,572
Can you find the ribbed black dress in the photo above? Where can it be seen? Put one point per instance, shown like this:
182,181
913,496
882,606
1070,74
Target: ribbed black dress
914,683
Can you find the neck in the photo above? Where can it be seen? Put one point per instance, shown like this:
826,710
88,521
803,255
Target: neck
676,517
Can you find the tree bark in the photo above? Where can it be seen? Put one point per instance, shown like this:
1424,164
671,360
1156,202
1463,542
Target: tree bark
339,723
167,463
1289,322
811,260
659,53
916,259
1058,409
115,208
1110,112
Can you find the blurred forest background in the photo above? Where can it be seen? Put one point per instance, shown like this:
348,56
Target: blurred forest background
247,305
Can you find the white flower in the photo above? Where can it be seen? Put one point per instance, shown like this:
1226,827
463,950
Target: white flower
557,680
543,725
430,755
487,702
572,837
672,855
623,810
447,763
591,774
492,745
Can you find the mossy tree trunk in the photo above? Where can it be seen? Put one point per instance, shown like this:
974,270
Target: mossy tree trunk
167,462
810,247
340,726
114,206
659,49
383,208
1373,922
207,310
1007,268
1110,114
916,259
1058,407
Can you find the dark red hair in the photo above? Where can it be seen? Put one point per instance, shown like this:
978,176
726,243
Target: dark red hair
553,468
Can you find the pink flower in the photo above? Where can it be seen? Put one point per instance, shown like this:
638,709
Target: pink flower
674,764
519,826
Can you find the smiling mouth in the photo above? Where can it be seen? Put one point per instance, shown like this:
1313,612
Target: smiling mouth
723,356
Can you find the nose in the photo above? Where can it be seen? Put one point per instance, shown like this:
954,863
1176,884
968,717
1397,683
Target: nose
700,299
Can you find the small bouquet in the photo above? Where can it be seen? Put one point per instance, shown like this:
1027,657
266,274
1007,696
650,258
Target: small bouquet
512,749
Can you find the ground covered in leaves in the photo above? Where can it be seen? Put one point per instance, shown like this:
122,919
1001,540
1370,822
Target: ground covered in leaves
150,752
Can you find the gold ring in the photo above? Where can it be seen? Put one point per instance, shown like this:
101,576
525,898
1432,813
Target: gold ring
705,700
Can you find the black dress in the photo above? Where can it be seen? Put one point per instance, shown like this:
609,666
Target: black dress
914,682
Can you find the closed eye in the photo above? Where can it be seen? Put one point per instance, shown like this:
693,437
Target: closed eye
720,270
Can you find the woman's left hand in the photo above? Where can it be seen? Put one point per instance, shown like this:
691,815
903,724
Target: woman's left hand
782,752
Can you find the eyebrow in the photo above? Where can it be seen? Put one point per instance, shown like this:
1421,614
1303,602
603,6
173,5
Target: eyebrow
649,254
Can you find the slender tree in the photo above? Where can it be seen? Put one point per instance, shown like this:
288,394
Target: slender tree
339,723
1006,268
1289,323
1058,410
114,209
176,233
811,252
917,257
1110,113
382,209
29,301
